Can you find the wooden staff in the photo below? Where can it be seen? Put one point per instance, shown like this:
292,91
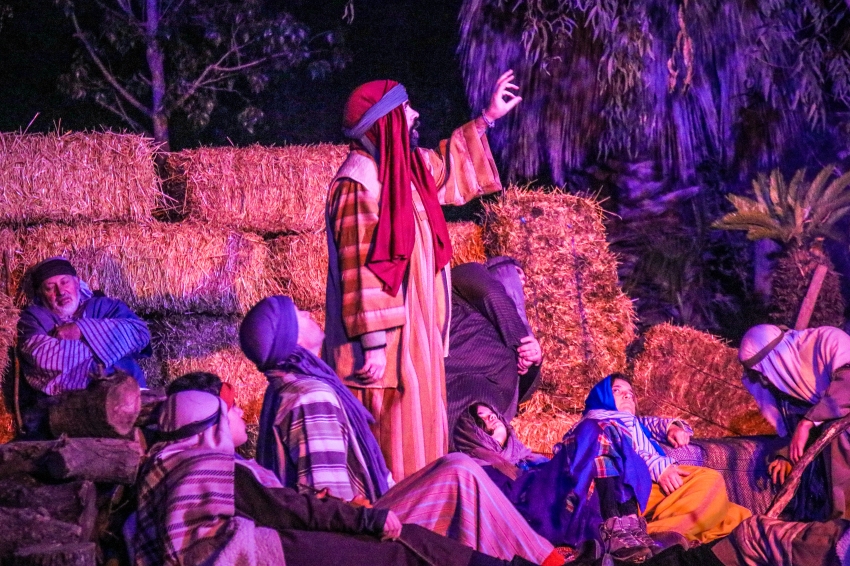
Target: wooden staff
834,429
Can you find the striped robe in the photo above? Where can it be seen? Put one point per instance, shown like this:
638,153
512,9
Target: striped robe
452,496
112,337
409,403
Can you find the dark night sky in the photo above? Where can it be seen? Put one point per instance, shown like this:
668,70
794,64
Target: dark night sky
410,41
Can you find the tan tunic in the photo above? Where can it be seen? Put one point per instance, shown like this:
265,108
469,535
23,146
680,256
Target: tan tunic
409,402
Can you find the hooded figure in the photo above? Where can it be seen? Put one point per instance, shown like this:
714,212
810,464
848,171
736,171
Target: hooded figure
387,309
200,505
488,329
799,380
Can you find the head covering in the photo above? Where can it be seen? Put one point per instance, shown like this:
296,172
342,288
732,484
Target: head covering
504,269
269,332
376,108
186,496
799,363
470,438
194,419
51,267
269,335
601,398
757,343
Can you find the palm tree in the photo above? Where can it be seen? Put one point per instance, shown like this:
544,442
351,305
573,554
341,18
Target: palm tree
798,216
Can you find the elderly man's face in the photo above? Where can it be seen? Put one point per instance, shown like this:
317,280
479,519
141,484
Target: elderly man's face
412,117
624,397
310,334
61,294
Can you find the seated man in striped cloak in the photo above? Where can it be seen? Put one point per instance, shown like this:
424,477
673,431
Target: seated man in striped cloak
315,433
67,335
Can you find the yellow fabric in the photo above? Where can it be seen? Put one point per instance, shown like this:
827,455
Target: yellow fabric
699,510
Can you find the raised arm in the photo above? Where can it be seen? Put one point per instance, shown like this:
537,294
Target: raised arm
463,166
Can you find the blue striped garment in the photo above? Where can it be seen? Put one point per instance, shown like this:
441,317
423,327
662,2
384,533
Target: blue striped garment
112,335
655,459
314,441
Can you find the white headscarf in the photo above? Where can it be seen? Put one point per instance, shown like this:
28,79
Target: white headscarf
800,365
182,411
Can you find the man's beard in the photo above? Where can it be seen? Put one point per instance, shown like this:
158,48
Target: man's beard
414,135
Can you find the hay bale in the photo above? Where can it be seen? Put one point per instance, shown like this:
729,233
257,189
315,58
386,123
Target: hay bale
689,374
77,177
182,344
298,266
8,326
540,424
156,267
467,243
204,343
261,189
579,314
9,251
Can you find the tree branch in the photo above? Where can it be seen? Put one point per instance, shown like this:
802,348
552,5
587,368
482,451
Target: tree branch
110,78
121,112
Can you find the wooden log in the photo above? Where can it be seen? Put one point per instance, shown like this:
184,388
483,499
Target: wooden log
151,401
20,528
74,502
786,493
95,459
106,409
80,554
23,457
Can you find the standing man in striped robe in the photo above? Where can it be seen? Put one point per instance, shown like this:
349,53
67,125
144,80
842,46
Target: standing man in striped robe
67,335
388,286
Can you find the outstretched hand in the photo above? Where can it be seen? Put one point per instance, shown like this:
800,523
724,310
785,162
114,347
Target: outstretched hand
503,99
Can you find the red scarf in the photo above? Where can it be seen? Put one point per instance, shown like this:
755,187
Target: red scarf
398,166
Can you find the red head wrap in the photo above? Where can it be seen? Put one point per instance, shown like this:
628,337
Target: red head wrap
398,167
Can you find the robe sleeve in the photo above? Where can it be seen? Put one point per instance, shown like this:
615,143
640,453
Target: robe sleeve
463,165
52,365
317,442
835,401
282,508
366,307
657,462
114,332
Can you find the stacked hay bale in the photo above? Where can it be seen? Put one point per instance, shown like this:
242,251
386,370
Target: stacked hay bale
69,179
579,314
8,322
689,374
